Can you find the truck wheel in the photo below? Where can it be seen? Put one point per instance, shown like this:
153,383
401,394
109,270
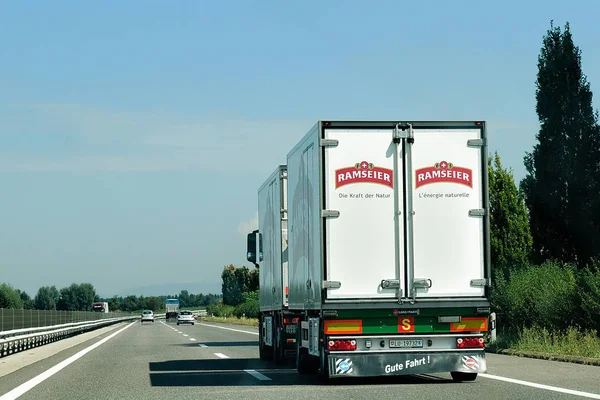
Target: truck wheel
463,376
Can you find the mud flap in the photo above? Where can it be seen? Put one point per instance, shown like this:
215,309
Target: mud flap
382,364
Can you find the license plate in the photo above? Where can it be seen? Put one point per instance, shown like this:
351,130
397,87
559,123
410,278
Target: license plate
406,343
291,328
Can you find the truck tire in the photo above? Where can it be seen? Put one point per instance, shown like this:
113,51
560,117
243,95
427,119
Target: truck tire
463,376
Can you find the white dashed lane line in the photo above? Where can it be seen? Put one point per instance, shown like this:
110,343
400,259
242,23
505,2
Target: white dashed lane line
250,372
257,375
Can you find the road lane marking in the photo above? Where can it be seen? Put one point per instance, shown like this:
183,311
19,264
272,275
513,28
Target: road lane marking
185,334
257,375
202,345
231,329
221,355
540,386
33,382
192,339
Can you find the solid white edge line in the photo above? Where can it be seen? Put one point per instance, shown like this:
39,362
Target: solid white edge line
30,384
231,329
500,378
540,386
257,375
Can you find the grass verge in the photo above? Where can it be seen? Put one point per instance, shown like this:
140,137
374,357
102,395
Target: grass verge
572,345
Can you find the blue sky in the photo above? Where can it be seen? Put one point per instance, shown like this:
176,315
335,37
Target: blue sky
134,135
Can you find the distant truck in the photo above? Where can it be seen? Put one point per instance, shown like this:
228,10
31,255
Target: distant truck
374,250
171,308
100,307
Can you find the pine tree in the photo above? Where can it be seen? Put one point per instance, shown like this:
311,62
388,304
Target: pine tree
509,225
563,170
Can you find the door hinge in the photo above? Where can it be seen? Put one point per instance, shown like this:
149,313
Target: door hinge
480,282
422,283
332,284
390,284
330,213
329,142
477,212
476,142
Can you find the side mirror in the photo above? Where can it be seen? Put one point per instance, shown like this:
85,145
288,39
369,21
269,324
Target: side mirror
251,248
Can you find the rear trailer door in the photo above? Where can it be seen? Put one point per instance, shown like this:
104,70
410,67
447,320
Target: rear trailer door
447,194
364,242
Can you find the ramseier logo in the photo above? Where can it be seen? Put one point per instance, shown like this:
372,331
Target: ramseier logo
444,172
363,172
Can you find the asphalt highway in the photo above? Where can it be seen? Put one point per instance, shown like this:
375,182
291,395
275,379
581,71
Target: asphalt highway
161,360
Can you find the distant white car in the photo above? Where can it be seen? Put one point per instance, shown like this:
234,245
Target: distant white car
147,315
185,317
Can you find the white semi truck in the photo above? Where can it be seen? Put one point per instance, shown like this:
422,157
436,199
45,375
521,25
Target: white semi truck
100,306
379,263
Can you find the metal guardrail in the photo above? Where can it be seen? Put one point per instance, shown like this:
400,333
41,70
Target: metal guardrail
11,319
17,340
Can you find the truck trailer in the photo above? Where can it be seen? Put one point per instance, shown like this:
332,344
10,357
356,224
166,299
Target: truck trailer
374,249
171,308
100,306
278,324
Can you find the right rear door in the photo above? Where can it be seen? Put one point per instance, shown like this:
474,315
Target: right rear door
448,248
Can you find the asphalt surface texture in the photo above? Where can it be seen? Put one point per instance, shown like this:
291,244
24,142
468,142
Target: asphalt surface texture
161,360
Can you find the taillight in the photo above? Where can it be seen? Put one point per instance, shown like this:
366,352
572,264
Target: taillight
341,345
469,343
288,321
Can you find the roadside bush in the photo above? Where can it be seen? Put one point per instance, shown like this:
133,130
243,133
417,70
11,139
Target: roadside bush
220,310
589,298
546,296
249,309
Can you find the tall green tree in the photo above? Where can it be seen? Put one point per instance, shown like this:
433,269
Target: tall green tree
10,297
184,299
232,293
131,303
77,297
510,234
114,304
152,303
254,280
563,170
47,298
28,303
242,276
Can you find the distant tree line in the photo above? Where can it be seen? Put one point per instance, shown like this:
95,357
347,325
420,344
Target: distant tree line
157,303
79,297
